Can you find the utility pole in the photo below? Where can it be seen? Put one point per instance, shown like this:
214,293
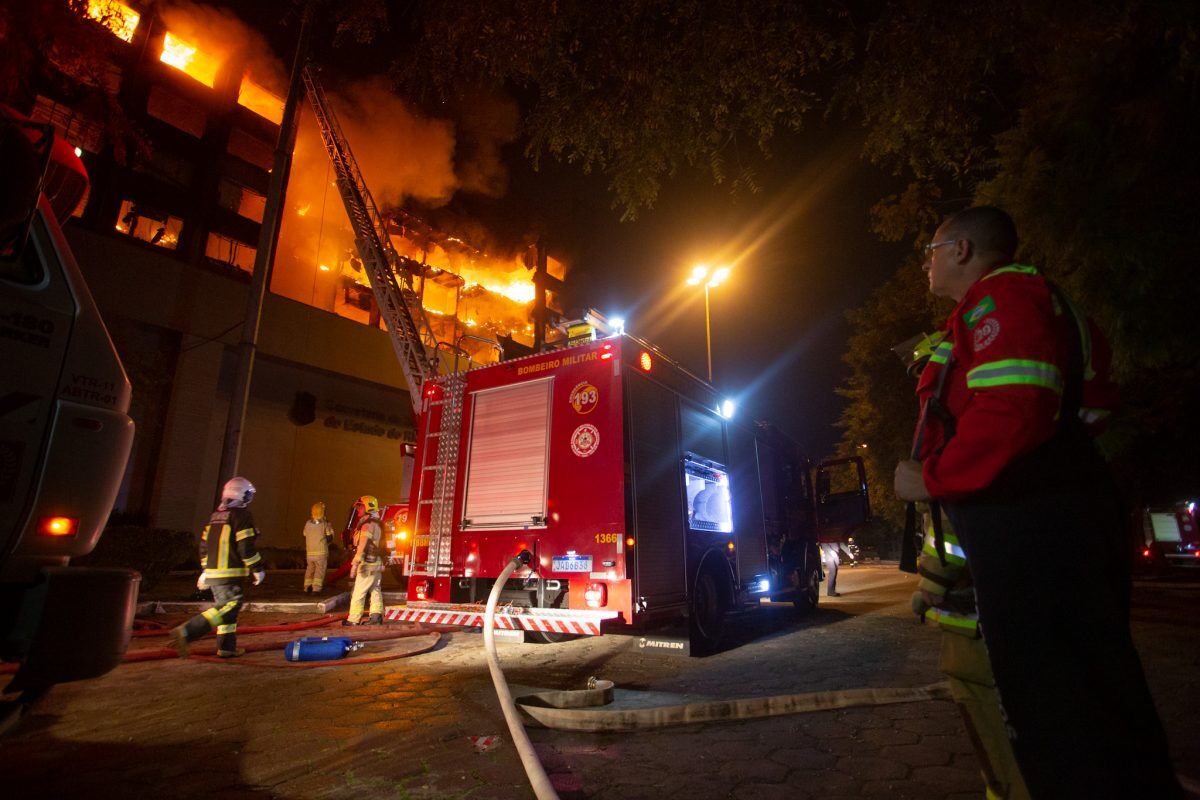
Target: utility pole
268,237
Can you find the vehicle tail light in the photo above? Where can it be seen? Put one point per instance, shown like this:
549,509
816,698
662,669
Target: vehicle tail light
630,541
596,595
1146,553
424,589
645,362
58,526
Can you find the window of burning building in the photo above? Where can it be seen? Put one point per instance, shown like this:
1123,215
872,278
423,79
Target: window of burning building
76,128
167,167
506,467
240,200
119,18
251,149
230,251
149,225
190,59
260,101
176,111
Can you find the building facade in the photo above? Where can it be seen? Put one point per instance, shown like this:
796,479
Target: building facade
166,239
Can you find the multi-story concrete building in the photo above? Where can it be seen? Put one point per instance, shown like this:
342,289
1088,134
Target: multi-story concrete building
167,242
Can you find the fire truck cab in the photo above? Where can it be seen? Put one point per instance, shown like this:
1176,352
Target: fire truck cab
65,432
1171,535
638,501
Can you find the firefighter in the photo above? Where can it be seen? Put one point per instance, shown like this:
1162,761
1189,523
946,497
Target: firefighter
318,533
946,595
1009,459
367,566
227,556
831,557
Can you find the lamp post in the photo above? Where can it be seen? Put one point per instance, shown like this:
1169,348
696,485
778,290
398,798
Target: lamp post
710,278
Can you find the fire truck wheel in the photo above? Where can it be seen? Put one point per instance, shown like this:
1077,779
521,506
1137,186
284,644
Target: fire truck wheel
808,588
707,610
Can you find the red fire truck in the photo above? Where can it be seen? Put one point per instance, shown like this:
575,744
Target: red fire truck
638,501
1171,535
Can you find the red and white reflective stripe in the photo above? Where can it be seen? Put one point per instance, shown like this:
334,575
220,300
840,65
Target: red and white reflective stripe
530,621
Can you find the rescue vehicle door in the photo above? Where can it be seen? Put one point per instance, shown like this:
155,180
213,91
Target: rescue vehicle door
841,499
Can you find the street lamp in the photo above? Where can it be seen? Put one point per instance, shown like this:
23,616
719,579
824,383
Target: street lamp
710,278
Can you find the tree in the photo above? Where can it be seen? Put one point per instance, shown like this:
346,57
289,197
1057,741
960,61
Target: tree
1078,119
637,89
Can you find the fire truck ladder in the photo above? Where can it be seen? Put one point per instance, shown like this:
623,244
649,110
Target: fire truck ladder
398,303
441,502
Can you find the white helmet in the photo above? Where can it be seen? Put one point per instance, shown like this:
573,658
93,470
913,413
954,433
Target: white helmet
237,493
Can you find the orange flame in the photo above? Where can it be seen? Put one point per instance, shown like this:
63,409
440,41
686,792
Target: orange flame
260,101
117,17
187,58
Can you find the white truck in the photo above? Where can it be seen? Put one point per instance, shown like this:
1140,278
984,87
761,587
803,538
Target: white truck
65,431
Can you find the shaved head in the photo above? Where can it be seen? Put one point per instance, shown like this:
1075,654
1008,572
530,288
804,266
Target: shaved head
991,231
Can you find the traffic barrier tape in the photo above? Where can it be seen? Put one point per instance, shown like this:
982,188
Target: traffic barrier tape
580,710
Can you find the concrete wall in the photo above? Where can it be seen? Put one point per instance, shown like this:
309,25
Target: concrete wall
363,413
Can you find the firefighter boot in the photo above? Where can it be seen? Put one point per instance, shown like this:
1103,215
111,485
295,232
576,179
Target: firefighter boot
179,641
375,619
240,651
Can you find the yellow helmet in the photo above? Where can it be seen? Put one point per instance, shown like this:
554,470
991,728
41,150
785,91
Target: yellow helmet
318,510
916,352
369,503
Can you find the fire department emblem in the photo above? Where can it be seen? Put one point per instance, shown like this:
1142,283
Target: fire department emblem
585,440
584,398
986,333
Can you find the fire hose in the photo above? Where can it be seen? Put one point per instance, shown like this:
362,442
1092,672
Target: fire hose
578,710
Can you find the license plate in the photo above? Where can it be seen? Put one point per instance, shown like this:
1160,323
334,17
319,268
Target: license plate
572,564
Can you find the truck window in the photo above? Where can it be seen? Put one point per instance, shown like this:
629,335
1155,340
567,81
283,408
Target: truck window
506,467
707,483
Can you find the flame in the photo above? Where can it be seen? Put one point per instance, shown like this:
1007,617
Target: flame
260,101
303,210
117,17
187,58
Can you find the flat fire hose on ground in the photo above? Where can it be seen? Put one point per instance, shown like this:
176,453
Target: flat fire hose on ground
579,710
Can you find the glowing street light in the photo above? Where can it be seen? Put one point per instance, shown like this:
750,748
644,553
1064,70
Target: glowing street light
710,278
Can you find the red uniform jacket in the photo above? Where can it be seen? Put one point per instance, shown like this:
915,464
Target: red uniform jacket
1007,338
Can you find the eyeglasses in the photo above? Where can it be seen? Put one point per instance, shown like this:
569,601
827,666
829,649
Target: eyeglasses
929,248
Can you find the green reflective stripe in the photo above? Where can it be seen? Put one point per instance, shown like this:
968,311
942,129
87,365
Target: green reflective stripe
952,620
232,572
1015,372
213,616
254,559
223,548
930,585
941,355
245,533
1021,269
222,629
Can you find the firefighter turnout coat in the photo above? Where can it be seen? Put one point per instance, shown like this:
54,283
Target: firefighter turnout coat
227,551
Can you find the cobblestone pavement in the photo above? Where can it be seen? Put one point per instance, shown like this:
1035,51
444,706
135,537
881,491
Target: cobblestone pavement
401,729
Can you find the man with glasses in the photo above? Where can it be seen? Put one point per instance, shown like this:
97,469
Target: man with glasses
1010,459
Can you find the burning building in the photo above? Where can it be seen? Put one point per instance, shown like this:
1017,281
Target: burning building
167,239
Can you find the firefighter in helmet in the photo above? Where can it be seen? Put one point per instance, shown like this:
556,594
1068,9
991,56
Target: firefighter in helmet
946,595
318,533
367,566
227,557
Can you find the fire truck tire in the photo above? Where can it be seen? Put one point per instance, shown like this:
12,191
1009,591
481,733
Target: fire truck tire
808,588
708,607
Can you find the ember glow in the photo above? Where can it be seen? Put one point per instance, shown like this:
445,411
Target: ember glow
260,101
189,59
117,17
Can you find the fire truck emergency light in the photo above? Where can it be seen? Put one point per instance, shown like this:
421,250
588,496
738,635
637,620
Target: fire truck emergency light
58,526
727,409
645,361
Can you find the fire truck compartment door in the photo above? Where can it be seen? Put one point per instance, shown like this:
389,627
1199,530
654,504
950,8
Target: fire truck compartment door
655,514
507,466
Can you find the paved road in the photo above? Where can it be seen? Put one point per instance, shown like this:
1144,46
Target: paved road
401,729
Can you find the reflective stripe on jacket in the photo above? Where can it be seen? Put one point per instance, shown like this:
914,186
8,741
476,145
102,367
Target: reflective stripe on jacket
227,551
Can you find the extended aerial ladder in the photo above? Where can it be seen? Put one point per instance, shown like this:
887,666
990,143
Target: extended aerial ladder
412,338
399,304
